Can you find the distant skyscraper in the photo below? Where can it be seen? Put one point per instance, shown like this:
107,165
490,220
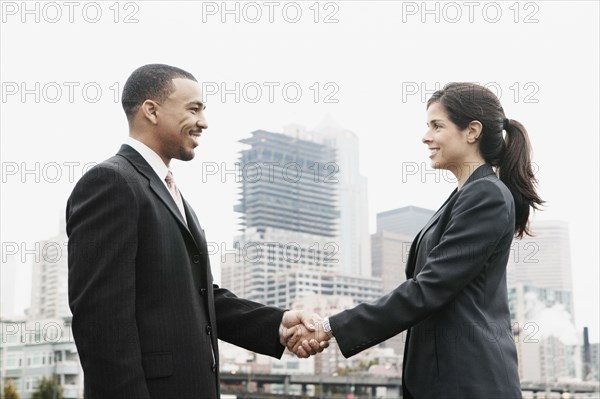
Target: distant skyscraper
290,243
544,260
49,290
355,248
286,184
408,220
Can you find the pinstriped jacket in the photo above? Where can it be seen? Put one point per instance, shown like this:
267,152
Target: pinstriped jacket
146,315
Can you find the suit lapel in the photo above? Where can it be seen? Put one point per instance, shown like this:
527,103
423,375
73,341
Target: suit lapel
481,172
161,191
414,248
193,224
433,219
156,185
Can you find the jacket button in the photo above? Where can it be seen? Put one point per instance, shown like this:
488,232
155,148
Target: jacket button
203,291
209,329
196,258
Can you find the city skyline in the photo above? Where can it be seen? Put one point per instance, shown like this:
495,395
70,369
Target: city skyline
299,221
372,71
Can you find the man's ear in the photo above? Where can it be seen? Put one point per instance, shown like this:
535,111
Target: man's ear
149,109
474,131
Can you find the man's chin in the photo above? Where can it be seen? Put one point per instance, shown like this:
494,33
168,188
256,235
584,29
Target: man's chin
186,155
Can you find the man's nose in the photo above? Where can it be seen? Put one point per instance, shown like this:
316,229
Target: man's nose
201,123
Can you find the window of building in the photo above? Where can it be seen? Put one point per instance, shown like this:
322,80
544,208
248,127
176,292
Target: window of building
293,365
31,383
13,360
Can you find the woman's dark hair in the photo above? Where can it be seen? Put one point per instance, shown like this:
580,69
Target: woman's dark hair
466,102
150,82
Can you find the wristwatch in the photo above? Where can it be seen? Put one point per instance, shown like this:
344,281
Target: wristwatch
327,327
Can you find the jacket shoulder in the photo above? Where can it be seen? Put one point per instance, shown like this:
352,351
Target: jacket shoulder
488,192
115,168
488,186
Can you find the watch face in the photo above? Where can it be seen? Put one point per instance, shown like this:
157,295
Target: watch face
327,328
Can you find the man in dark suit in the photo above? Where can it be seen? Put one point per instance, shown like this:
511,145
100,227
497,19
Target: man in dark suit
146,315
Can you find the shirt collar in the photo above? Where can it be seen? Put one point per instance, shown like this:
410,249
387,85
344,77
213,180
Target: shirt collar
155,162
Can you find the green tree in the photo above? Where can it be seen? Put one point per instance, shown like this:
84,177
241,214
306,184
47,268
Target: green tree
10,392
48,389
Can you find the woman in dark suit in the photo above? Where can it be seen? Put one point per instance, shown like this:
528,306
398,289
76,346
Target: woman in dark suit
454,302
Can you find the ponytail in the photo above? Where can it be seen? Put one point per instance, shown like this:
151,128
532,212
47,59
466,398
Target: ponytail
515,171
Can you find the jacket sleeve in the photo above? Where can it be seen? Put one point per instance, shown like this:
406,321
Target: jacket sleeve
478,220
102,224
248,324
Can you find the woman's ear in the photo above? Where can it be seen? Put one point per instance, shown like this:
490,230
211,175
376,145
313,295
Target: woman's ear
474,131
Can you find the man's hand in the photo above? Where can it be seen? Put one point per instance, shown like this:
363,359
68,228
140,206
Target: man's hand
315,342
298,330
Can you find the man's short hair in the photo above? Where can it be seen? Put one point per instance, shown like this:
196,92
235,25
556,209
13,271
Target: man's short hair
150,82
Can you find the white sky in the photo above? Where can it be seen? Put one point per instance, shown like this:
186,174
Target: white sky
373,57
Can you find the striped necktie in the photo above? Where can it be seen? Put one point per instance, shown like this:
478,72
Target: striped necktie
175,193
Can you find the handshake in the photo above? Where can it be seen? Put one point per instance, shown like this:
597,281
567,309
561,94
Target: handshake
302,333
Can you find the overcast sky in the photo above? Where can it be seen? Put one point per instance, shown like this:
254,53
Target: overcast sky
370,66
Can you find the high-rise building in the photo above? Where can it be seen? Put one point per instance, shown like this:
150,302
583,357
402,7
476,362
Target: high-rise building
355,252
543,260
49,290
286,185
408,220
290,241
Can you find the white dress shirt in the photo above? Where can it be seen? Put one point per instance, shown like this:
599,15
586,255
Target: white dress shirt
155,162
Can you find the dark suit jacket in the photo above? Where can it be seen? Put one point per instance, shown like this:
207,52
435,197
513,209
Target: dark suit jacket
460,342
146,316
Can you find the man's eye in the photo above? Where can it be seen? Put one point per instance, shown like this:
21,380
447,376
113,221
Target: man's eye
194,110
